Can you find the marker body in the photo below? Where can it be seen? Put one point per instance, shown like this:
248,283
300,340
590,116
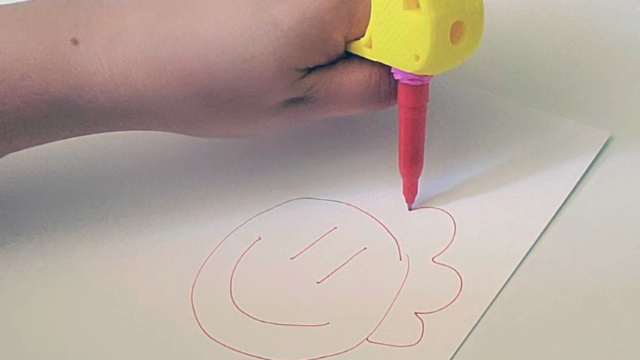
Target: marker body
412,127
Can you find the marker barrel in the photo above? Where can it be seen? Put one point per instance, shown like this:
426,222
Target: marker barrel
412,126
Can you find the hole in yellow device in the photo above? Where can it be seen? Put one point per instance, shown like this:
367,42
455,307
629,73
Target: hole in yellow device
411,4
456,36
368,43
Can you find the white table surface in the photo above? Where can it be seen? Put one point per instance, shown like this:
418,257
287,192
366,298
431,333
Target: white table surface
577,294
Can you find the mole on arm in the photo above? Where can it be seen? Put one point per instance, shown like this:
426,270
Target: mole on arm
74,41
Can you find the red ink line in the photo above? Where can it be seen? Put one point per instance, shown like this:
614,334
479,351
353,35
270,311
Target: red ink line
229,347
382,319
395,239
314,243
235,304
415,343
341,266
435,261
404,281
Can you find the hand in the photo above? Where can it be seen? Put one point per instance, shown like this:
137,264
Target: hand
210,68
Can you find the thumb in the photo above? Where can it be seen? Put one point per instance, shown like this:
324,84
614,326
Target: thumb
350,85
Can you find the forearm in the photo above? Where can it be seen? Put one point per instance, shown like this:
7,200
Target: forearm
41,75
200,67
66,71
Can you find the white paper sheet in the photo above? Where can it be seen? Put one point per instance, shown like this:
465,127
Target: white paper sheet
293,246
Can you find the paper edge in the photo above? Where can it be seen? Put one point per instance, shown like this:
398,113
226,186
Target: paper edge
550,221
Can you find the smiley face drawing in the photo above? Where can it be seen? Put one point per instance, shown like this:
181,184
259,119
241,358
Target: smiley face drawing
307,279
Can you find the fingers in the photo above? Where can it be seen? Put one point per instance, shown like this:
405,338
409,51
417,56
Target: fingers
355,18
351,85
323,29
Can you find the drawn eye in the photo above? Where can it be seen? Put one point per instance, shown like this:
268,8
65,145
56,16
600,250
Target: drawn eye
341,266
314,243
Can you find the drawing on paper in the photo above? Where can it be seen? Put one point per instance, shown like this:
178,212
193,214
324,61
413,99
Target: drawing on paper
290,282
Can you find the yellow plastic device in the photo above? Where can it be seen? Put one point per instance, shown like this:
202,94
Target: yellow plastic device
424,37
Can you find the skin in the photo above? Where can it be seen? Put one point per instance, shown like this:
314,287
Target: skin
203,68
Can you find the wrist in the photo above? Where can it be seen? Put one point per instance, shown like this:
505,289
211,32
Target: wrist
52,84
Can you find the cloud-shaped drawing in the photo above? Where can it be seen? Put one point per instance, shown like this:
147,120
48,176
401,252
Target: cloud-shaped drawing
307,279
